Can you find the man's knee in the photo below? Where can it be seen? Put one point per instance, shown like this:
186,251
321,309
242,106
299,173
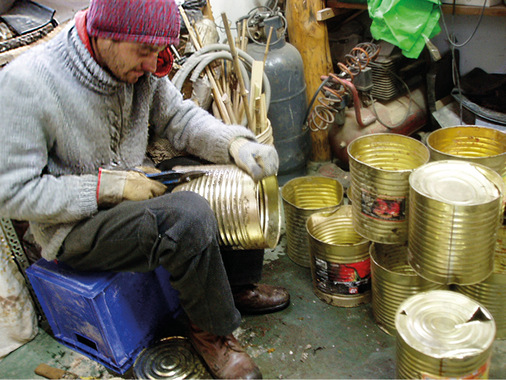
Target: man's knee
186,217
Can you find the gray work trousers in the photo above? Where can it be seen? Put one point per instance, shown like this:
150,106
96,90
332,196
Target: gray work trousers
177,231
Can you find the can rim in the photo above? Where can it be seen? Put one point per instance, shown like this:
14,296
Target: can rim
355,141
477,127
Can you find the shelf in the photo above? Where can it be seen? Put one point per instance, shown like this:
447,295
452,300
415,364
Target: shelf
496,10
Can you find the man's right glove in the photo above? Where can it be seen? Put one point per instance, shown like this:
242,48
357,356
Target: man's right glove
115,186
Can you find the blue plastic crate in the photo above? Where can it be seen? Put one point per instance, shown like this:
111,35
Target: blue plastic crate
109,317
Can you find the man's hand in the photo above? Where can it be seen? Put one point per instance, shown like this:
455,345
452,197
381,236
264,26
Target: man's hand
258,160
115,186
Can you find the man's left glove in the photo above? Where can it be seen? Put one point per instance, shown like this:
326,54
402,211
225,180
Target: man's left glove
258,160
115,186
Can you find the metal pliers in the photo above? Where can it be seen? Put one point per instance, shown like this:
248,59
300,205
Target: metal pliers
175,177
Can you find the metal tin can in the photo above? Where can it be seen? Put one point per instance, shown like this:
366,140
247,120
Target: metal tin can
455,211
393,281
248,213
491,292
380,165
442,335
340,263
482,145
170,358
302,197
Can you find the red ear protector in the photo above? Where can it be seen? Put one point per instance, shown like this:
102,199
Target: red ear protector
164,63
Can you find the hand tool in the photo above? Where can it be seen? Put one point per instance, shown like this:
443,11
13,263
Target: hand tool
175,177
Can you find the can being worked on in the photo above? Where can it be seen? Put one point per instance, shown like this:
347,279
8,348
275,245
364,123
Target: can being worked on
441,335
248,213
455,211
340,262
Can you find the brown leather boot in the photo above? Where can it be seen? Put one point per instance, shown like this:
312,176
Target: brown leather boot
224,356
260,298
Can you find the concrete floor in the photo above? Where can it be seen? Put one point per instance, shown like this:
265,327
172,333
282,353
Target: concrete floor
310,339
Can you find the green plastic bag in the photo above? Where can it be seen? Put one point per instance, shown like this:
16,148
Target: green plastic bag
407,24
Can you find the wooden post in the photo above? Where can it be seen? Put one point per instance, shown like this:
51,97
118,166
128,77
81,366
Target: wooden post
310,37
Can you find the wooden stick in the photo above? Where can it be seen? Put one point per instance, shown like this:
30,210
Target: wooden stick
267,46
238,73
216,90
244,40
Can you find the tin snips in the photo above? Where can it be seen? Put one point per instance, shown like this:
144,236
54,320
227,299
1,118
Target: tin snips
176,177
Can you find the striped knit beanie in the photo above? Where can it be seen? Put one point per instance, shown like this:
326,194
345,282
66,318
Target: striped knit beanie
152,22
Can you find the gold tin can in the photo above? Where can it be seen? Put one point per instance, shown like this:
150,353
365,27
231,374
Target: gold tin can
248,213
455,211
170,358
393,281
302,197
482,145
380,165
442,335
491,292
340,263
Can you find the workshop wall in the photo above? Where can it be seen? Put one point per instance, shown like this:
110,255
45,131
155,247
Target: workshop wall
487,49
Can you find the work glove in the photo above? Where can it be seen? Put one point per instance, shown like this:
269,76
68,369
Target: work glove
258,160
115,186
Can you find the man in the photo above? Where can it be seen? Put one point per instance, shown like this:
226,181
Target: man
75,117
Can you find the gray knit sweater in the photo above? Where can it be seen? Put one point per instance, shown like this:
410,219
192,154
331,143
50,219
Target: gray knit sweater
62,117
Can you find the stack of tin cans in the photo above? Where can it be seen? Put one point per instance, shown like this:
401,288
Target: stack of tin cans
434,214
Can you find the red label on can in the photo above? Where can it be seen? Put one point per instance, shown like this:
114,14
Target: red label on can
383,207
335,278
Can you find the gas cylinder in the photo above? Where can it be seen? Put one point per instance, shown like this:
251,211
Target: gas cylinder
285,71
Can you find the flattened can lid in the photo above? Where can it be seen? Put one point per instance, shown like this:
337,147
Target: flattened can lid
457,182
170,358
445,325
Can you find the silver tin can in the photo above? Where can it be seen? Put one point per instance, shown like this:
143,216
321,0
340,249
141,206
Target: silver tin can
491,292
443,334
380,165
302,197
455,211
393,281
170,358
340,262
248,213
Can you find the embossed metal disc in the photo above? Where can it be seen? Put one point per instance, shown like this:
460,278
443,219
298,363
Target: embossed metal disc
170,358
455,182
445,324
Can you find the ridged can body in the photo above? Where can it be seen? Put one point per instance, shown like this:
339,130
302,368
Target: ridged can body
302,197
455,211
340,262
491,292
482,145
380,166
248,213
441,335
393,281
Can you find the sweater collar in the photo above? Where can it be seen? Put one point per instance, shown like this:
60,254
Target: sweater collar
81,63
80,20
